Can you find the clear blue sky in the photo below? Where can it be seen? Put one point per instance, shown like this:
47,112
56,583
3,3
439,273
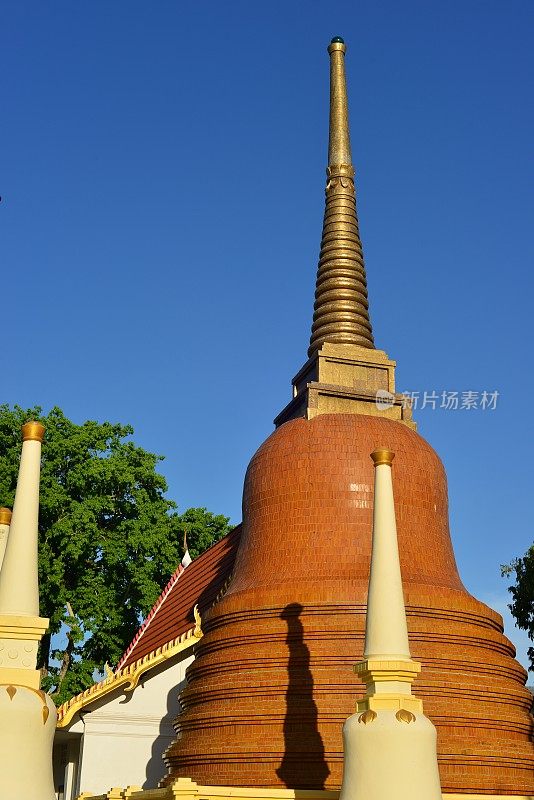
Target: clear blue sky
162,183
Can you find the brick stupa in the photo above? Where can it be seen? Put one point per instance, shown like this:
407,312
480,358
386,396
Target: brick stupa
272,681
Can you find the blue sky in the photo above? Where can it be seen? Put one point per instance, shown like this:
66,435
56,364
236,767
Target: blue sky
162,199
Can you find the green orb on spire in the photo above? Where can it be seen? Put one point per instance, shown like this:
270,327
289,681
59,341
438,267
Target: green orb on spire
337,39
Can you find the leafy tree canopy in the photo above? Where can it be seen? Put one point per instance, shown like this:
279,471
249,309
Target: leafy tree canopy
522,591
108,539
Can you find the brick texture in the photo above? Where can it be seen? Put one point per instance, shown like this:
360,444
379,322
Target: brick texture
272,682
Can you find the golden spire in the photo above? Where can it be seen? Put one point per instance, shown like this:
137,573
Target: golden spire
344,373
341,310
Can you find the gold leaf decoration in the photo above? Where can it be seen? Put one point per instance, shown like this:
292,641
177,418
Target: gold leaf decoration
405,716
46,712
198,623
11,692
367,716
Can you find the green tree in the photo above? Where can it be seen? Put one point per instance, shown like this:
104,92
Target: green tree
108,539
202,529
522,591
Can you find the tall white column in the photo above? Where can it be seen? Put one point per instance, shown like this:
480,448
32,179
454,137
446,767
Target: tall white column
389,744
27,714
386,633
19,588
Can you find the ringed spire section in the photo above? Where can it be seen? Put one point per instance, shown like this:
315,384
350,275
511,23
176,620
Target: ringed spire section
341,310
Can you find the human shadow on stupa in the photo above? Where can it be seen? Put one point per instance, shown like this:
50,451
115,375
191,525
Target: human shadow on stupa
303,765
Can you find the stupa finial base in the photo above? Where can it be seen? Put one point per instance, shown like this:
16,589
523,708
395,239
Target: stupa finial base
346,379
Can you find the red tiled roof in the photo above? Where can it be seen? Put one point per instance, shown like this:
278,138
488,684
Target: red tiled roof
172,613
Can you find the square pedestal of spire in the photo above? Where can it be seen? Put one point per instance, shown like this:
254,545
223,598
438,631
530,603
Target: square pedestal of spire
346,379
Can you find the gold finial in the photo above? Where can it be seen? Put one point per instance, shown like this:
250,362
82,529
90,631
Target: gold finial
33,431
198,623
382,456
341,310
5,516
339,138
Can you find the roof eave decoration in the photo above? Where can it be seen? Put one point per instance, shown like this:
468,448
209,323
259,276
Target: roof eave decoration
155,608
128,678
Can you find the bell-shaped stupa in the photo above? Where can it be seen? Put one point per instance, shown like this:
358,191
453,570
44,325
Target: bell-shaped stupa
272,682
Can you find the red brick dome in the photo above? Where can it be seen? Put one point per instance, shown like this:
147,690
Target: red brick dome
272,681
307,509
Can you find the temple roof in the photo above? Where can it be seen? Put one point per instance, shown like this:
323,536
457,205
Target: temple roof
170,626
172,614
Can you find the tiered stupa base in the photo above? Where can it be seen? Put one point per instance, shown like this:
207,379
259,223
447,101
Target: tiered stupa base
272,683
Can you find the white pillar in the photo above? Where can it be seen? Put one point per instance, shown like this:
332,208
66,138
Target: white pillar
5,522
19,589
386,633
389,744
27,715
73,753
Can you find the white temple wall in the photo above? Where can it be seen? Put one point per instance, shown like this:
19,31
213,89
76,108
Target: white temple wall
123,736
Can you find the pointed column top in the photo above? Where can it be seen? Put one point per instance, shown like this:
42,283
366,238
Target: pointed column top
386,633
388,669
33,432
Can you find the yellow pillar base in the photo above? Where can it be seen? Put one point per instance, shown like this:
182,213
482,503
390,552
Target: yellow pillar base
27,726
186,789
